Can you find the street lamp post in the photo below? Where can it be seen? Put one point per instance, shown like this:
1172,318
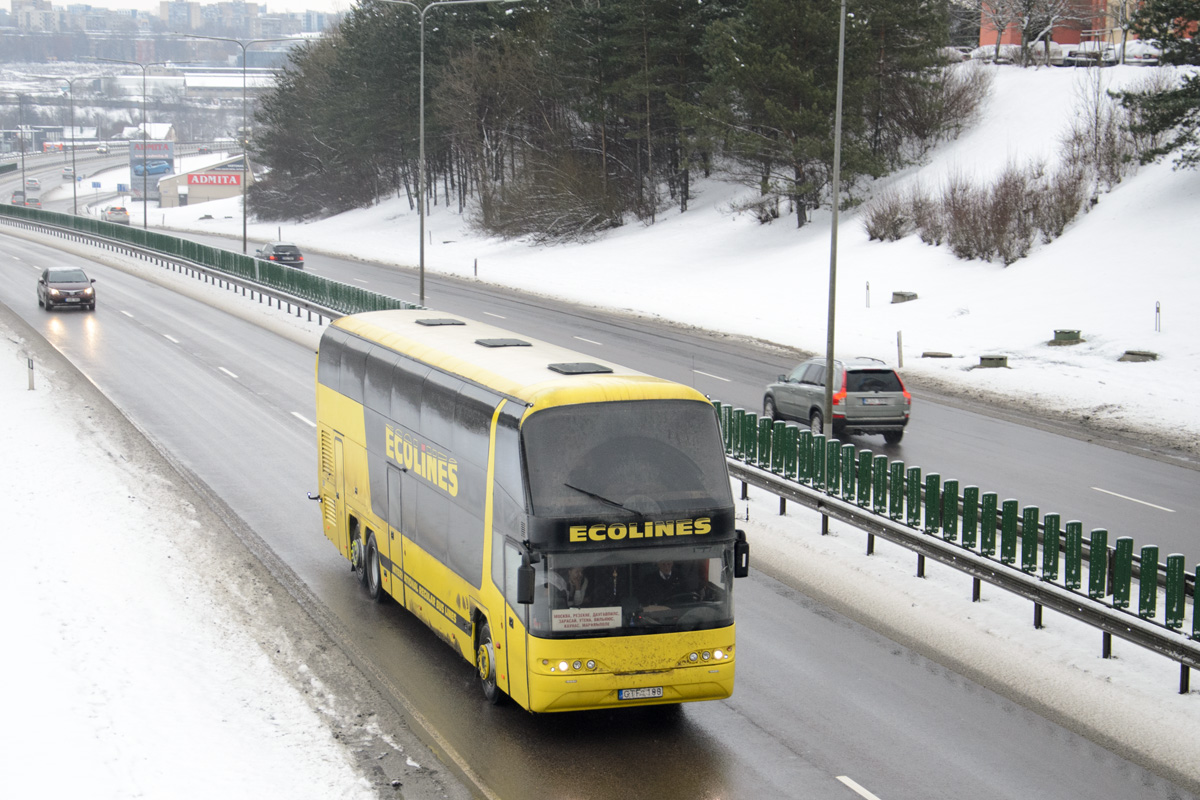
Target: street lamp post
145,128
421,11
244,140
74,174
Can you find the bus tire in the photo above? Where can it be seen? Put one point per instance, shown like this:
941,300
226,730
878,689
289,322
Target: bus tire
372,571
485,665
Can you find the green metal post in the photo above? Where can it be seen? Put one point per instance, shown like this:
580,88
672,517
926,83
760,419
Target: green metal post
879,492
913,501
804,456
739,424
833,466
791,435
1074,555
1148,583
1008,531
849,473
987,524
1051,542
1029,539
970,516
818,461
1122,571
950,511
896,489
1098,565
864,478
778,446
750,438
933,502
1176,603
727,428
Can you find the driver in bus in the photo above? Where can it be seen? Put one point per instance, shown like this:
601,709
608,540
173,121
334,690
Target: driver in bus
572,590
664,582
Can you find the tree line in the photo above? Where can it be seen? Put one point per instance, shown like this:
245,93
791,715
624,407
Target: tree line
558,119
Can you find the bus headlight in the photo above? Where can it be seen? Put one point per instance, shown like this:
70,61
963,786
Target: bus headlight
718,654
706,655
562,666
692,657
591,664
577,665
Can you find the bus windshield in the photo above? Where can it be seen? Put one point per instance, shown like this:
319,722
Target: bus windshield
647,457
613,593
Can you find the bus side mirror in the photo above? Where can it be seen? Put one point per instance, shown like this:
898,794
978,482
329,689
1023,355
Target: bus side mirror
741,556
525,577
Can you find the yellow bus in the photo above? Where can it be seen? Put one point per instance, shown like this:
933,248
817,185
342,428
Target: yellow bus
567,525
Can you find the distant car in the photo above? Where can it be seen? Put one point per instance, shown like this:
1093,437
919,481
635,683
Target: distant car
1143,52
116,214
66,286
1090,54
152,168
282,253
102,148
868,397
33,202
33,183
18,198
204,150
69,172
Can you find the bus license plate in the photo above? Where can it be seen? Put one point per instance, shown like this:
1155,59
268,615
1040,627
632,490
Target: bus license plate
639,694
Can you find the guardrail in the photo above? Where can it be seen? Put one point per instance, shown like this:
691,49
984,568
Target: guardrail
929,516
925,514
287,284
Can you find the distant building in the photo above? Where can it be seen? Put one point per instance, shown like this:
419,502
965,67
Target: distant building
214,182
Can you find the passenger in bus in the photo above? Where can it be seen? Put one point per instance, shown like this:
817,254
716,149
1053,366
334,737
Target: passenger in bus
663,583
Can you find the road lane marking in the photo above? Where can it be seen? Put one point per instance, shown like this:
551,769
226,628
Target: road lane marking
303,419
227,372
497,316
126,313
860,791
589,341
360,280
1134,500
709,375
170,338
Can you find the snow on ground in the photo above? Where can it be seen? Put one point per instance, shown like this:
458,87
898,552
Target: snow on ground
723,271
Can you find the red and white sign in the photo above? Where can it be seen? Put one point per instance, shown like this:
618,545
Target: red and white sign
214,179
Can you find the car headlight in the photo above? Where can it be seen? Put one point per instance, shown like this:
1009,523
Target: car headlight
55,292
88,292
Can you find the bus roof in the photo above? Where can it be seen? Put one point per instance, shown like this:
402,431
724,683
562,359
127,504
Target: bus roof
536,372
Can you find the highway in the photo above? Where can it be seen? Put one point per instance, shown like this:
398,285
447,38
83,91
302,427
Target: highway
820,700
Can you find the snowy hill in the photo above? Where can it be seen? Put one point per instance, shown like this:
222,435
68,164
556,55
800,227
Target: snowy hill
1118,274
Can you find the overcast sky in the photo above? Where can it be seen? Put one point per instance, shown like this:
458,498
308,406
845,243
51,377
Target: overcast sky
274,6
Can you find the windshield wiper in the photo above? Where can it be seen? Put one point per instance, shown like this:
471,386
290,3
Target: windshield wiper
603,499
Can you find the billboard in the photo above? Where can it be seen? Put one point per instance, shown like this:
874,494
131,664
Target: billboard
149,161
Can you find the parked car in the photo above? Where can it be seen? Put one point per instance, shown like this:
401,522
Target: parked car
116,214
66,286
33,202
868,397
18,198
69,172
281,252
152,168
1142,52
32,183
103,149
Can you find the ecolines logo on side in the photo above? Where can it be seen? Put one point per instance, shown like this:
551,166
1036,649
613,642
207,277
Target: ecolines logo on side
639,530
417,457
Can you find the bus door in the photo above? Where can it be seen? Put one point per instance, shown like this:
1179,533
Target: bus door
392,550
514,630
333,484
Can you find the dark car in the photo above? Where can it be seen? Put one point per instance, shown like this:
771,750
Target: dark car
204,150
66,286
281,253
152,168
868,397
18,198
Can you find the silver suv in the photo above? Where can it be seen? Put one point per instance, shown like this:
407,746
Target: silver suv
868,397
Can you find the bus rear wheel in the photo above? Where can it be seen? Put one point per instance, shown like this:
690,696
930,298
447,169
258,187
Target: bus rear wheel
485,664
371,569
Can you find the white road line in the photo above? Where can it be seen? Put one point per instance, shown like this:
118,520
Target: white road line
497,316
709,375
126,313
360,280
303,418
170,338
860,791
589,341
1134,500
227,372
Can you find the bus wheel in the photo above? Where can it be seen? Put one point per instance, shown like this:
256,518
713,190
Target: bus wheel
485,663
372,571
358,560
